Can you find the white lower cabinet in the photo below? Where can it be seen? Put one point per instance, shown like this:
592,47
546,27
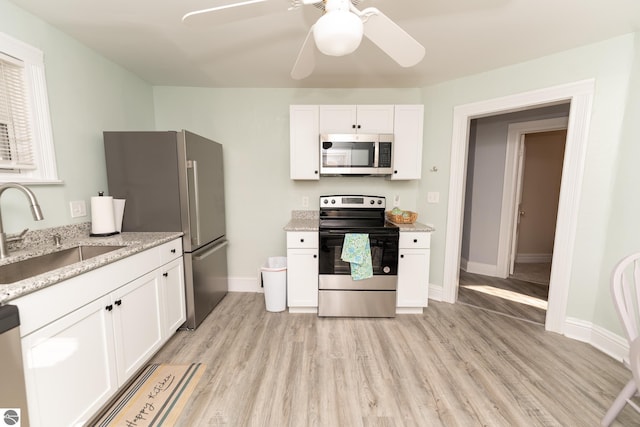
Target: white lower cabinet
302,271
172,286
137,323
413,272
75,363
70,366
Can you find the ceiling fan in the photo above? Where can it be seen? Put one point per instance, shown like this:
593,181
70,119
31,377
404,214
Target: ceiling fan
339,31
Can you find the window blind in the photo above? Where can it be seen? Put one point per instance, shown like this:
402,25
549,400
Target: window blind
16,142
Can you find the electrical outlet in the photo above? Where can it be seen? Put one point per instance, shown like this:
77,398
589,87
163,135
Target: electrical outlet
433,197
78,208
305,202
396,201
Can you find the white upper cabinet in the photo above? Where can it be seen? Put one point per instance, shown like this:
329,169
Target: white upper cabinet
356,119
304,142
307,122
407,142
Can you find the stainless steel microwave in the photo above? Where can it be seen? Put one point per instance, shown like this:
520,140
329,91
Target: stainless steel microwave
356,154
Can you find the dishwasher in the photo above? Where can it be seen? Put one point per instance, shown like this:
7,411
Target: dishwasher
13,394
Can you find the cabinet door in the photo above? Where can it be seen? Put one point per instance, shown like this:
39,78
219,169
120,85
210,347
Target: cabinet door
302,277
172,283
304,142
338,119
375,119
413,278
70,366
137,323
407,144
356,118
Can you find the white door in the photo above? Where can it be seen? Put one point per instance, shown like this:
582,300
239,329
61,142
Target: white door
518,212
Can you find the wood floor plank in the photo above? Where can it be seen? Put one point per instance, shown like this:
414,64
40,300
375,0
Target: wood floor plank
454,365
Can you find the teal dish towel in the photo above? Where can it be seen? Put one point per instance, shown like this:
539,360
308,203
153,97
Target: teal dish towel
356,250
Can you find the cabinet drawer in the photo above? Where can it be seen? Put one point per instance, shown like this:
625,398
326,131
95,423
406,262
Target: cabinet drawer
410,240
170,251
302,239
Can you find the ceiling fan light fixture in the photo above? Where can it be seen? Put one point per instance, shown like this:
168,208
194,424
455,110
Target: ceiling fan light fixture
338,32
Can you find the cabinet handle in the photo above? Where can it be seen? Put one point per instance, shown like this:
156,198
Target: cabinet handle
316,172
301,240
315,256
353,126
359,126
118,302
173,251
415,240
401,256
109,307
395,171
165,274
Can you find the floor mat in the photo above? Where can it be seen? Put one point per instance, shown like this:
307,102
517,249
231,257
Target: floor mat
156,398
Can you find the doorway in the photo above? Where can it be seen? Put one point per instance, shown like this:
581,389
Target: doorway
514,162
536,207
579,95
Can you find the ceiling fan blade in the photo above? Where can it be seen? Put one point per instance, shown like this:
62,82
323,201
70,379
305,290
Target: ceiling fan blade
392,39
306,61
201,17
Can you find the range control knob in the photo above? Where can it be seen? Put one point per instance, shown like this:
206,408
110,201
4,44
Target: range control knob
333,201
379,202
325,201
372,202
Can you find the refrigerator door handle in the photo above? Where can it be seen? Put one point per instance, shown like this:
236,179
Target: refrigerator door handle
193,164
210,251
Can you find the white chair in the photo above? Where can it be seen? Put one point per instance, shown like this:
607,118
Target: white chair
625,289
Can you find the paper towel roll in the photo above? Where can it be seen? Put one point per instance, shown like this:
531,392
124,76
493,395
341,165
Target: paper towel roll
102,215
118,212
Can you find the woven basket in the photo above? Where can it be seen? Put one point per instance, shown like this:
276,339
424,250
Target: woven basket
399,219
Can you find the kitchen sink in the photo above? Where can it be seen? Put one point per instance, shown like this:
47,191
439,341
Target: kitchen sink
30,267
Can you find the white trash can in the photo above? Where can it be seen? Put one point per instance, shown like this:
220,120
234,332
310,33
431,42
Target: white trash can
274,280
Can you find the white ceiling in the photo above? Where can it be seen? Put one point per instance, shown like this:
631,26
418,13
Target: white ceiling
256,45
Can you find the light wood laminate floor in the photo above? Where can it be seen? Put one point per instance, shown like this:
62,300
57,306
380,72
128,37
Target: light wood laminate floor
455,365
510,297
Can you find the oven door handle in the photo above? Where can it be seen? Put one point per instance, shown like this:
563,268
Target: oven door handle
343,232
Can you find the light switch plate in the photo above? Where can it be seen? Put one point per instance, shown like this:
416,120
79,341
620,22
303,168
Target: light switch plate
78,208
305,202
433,197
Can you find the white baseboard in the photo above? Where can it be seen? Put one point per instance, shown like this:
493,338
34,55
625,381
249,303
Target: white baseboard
531,258
245,284
600,338
435,292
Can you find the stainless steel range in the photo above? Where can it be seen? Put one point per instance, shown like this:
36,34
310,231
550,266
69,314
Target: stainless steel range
340,291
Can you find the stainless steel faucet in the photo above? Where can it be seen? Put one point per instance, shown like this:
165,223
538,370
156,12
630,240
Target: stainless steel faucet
35,211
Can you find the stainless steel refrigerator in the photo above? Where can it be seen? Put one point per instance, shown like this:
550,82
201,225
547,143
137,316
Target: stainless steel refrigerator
174,181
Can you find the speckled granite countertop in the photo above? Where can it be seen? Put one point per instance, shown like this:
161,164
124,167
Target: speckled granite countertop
416,226
308,221
40,242
303,221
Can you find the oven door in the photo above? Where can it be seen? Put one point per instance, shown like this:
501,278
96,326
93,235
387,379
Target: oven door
336,274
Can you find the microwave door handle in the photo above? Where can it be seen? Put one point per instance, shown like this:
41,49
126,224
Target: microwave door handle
193,164
376,153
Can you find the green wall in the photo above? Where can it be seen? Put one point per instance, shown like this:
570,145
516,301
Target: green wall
87,93
253,126
610,64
